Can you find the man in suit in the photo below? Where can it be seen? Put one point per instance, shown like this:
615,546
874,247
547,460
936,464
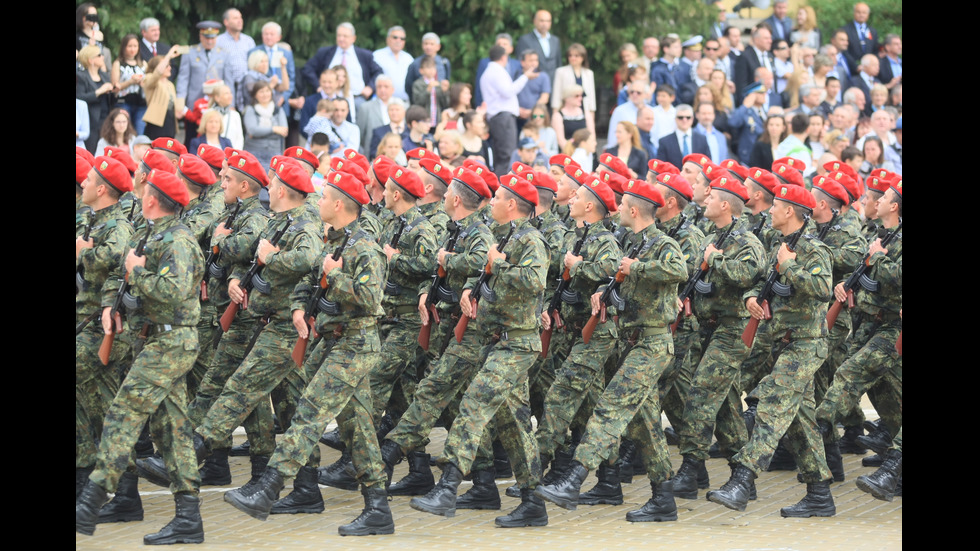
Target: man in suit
544,43
684,141
396,125
431,44
691,54
890,72
866,78
374,112
755,56
666,70
395,61
717,144
204,61
780,24
863,38
361,74
844,64
277,50
151,45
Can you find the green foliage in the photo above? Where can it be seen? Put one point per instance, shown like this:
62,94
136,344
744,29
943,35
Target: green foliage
886,15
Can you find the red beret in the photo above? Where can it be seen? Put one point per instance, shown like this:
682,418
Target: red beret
677,183
561,160
85,154
473,181
82,168
603,193
698,159
520,168
484,172
737,169
840,166
381,167
657,166
122,155
521,188
710,171
349,186
850,184
643,190
542,180
361,160
304,155
340,164
154,160
763,178
229,151
434,166
418,153
211,155
832,189
170,185
614,181
114,173
731,185
796,195
171,145
577,174
294,176
896,185
795,163
787,174
247,164
876,182
884,174
614,164
408,180
196,170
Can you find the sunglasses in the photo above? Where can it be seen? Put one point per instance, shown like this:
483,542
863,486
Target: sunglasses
684,117
398,37
636,93
537,116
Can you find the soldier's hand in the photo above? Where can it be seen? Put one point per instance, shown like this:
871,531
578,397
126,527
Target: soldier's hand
754,309
222,230
625,264
839,293
82,244
594,300
107,320
710,250
329,263
493,254
132,260
442,256
876,248
465,304
299,322
571,260
264,250
545,320
389,252
784,254
423,311
235,292
680,304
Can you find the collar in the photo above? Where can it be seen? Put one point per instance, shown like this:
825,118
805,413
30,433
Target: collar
541,36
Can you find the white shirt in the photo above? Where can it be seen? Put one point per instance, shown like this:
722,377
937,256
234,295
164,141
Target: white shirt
395,67
624,112
499,91
545,43
354,72
663,122
680,141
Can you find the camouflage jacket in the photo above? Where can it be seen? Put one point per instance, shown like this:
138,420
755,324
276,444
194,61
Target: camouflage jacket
554,232
741,262
468,258
437,216
886,269
236,248
199,216
650,289
415,261
110,234
688,236
600,258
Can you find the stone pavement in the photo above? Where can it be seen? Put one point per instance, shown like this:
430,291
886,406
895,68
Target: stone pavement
862,522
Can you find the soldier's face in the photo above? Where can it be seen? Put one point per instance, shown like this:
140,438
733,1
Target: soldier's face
89,188
208,42
556,172
229,187
577,203
498,205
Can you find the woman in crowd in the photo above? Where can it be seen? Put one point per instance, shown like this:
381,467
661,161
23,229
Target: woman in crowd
576,73
460,98
128,71
116,131
474,135
581,148
814,138
161,97
822,65
258,67
210,132
806,32
879,96
92,86
629,149
835,142
231,120
450,148
627,60
391,146
723,88
764,150
571,117
874,157
707,94
547,138
343,86
265,125
87,31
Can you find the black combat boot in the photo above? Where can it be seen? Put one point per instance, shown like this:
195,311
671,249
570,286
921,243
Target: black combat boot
216,471
607,491
714,452
144,444
531,512
375,519
388,422
340,474
441,500
126,505
501,463
305,497
878,441
835,461
154,469
704,482
391,455
242,450
563,458
849,443
873,461
87,506
752,493
749,414
816,503
186,526
256,500
734,494
419,479
627,451
332,439
483,494
782,459
258,465
670,435
684,484
885,483
81,477
660,508
564,493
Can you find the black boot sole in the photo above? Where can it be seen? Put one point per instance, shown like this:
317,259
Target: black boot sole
825,512
189,538
419,506
878,492
231,497
544,493
715,498
374,531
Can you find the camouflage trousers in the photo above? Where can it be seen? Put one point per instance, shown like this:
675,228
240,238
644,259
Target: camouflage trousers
154,388
340,389
580,375
632,392
675,383
95,387
399,352
499,392
206,329
786,406
759,363
714,399
876,365
267,364
228,356
543,372
837,352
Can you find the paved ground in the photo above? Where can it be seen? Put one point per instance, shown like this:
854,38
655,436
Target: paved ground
862,522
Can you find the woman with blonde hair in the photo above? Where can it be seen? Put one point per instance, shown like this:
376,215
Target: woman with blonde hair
629,149
231,120
92,86
161,97
806,32
581,148
450,148
576,73
391,146
570,117
723,88
343,86
210,131
258,70
627,58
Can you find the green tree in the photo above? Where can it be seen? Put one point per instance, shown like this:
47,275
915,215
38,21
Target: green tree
886,15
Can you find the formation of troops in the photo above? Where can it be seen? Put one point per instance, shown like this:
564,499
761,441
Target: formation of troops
394,299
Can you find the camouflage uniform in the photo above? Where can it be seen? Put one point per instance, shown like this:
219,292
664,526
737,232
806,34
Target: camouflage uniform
96,384
799,329
714,392
650,292
167,287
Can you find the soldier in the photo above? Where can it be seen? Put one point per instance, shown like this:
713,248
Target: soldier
650,292
163,287
511,300
734,264
204,61
83,212
785,395
347,317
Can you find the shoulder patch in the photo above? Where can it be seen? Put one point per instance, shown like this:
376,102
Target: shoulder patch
604,256
364,278
165,270
527,261
686,257
668,256
815,271
746,257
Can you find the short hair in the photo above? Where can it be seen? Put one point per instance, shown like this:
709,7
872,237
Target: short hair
760,27
349,26
224,14
577,48
383,77
569,91
274,26
343,101
800,212
799,123
431,36
822,60
255,58
832,202
524,208
319,139
416,113
681,200
890,37
110,189
646,208
497,52
685,108
438,186
86,54
806,89
504,35
471,200
396,101
851,152
729,29
427,62
735,205
754,187
667,89
207,116
546,198
350,205
527,52
292,193
325,105
667,42
148,22
395,28
166,203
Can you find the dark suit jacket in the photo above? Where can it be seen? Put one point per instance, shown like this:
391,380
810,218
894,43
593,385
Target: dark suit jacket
745,67
669,150
637,160
162,49
546,64
786,24
885,74
854,46
376,136
859,83
321,60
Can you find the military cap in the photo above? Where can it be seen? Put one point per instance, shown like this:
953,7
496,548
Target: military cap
247,164
614,181
752,88
561,160
577,174
896,185
677,183
614,164
170,145
521,188
85,154
603,193
353,155
763,178
302,154
833,189
122,155
408,180
737,169
211,155
437,168
796,195
294,176
730,185
114,173
787,174
484,172
795,163
643,190
340,164
349,186
835,166
473,181
850,184
520,168
658,167
209,29
154,160
82,168
542,180
381,167
418,153
877,182
170,185
194,169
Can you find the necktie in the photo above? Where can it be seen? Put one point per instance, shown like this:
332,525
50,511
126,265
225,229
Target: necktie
343,57
154,48
432,106
686,150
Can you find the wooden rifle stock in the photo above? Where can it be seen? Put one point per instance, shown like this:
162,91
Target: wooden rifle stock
855,277
748,336
106,348
309,314
246,282
464,320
